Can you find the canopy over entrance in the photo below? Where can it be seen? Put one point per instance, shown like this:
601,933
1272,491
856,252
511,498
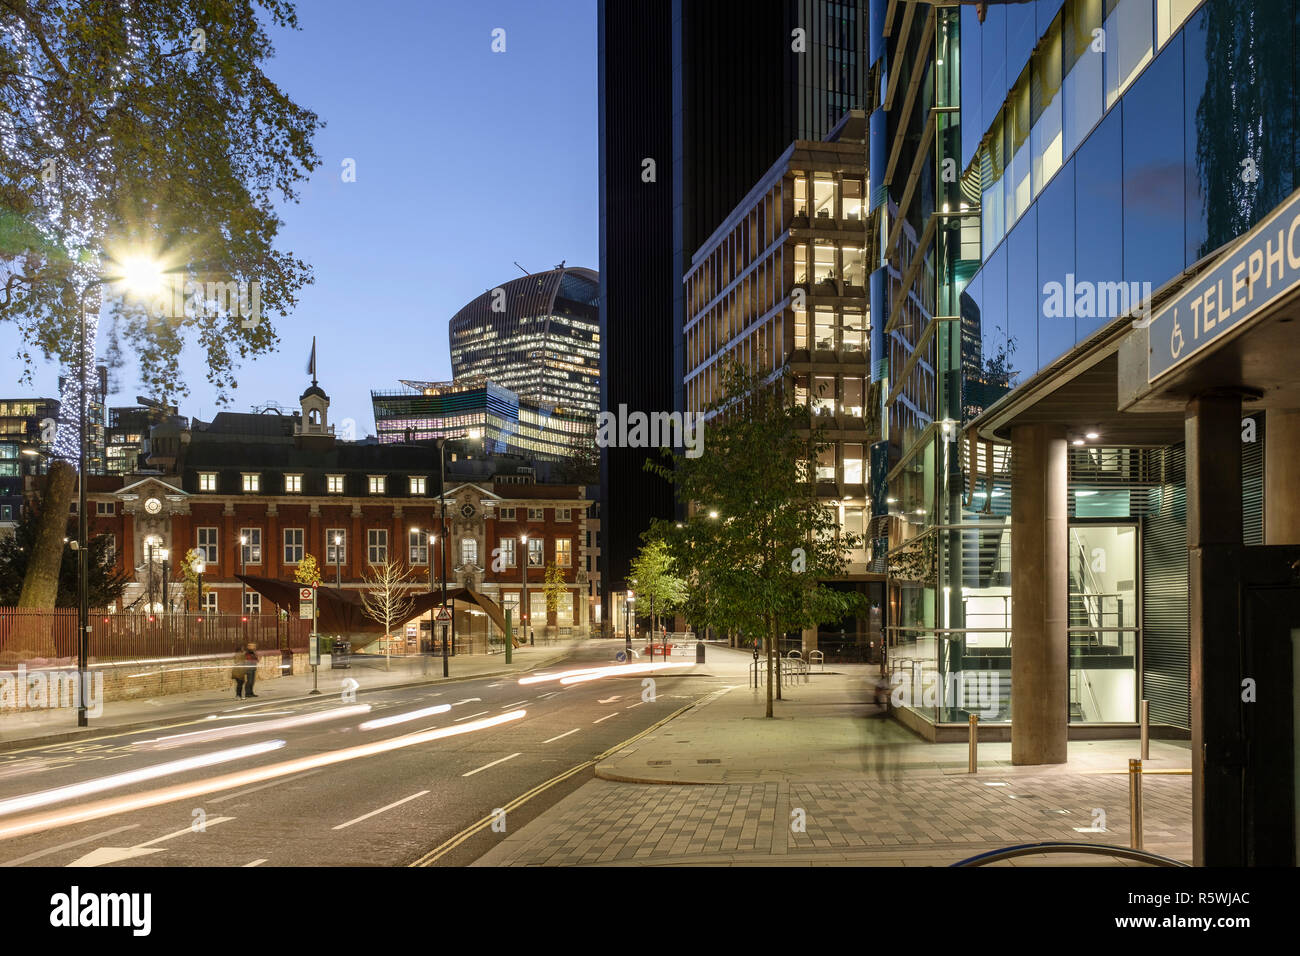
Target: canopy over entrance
340,610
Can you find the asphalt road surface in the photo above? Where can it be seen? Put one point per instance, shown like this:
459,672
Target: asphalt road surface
310,783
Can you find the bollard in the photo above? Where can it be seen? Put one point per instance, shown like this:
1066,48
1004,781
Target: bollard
1135,803
1146,730
974,720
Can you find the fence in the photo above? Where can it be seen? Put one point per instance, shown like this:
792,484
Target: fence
52,634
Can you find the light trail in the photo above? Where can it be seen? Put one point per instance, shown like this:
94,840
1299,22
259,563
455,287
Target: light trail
35,823
403,718
621,670
113,781
240,730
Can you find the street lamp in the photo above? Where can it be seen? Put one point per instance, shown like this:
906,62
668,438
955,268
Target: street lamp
428,553
199,566
162,556
243,571
523,611
149,545
338,560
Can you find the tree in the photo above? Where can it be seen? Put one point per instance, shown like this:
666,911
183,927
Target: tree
190,578
132,131
104,583
555,587
307,572
759,538
387,599
656,579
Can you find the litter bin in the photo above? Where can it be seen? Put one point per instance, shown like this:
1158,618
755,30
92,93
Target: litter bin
342,655
699,652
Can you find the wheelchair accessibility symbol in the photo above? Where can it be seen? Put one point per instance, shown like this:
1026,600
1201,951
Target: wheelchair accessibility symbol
1176,342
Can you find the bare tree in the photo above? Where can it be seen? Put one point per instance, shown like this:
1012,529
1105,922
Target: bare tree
387,598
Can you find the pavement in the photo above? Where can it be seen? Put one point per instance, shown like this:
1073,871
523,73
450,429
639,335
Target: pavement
832,781
28,728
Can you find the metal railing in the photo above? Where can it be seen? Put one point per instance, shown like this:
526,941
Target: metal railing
52,633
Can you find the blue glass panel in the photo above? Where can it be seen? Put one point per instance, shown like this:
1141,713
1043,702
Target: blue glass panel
1022,293
1021,37
1055,263
993,35
1154,206
1239,104
1047,9
1098,208
972,85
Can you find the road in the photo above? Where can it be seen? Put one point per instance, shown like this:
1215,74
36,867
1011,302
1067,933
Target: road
313,783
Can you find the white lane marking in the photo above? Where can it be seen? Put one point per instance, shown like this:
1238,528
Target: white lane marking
273,783
492,764
190,829
254,863
565,734
609,700
372,813
606,717
469,717
498,684
637,704
515,704
116,854
544,696
468,700
67,846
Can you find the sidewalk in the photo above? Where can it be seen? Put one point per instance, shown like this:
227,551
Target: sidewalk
36,727
831,781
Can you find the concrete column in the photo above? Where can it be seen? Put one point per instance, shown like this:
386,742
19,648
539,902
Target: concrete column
1039,595
1212,426
1282,476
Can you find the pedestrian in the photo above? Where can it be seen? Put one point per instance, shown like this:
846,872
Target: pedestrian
237,672
250,668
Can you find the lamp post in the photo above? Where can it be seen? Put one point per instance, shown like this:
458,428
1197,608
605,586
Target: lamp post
430,540
148,550
338,561
523,607
140,274
166,569
628,598
243,570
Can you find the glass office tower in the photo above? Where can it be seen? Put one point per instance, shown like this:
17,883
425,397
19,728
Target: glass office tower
538,335
1079,159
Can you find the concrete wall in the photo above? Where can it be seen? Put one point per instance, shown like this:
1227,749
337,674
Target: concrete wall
139,680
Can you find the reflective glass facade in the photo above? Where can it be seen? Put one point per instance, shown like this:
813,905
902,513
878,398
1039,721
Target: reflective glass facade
1106,148
538,336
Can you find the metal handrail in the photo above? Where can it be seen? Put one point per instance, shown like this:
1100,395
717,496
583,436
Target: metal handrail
1100,849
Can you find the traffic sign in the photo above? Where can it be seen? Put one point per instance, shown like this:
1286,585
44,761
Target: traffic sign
444,615
306,600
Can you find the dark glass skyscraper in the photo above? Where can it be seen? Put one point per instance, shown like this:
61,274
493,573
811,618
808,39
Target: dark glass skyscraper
698,98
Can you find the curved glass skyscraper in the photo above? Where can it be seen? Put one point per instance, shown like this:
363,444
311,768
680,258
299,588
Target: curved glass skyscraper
538,335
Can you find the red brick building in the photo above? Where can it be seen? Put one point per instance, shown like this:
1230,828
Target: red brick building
256,493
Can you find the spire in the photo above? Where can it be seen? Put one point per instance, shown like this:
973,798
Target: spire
311,362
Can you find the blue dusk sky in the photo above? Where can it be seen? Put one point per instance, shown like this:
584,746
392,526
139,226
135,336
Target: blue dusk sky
466,161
